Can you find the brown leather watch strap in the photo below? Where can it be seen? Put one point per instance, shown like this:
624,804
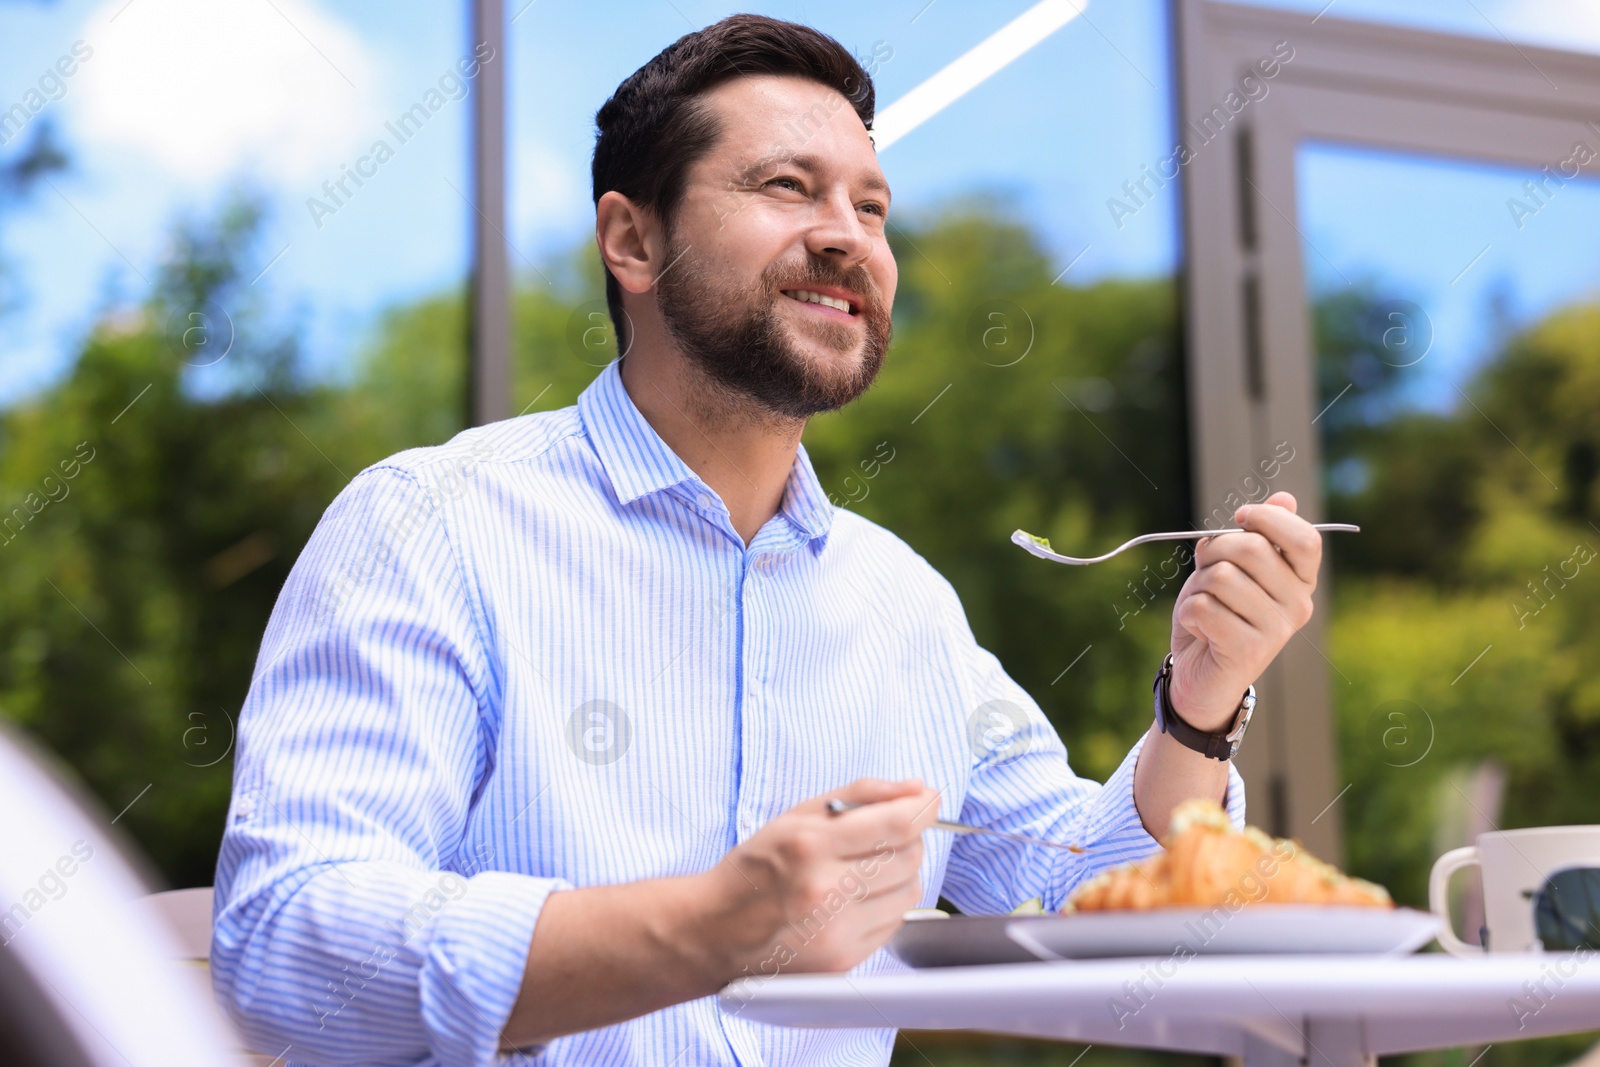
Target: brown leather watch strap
1213,746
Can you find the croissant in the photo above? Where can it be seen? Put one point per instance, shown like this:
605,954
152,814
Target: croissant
1206,862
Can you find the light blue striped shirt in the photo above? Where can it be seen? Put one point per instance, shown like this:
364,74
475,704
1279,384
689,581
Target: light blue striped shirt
538,657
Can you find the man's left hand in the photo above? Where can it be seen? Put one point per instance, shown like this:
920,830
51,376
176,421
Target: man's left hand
1248,595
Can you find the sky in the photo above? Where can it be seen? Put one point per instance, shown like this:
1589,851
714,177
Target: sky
172,102
1445,237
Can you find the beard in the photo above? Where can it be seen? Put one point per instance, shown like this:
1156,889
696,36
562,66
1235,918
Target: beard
733,334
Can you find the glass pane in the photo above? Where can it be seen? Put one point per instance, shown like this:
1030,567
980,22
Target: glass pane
1573,25
1457,322
209,211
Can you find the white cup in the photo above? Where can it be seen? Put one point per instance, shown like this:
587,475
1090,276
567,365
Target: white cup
1514,864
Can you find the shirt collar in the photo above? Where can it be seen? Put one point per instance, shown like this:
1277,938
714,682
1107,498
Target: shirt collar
805,503
634,456
639,462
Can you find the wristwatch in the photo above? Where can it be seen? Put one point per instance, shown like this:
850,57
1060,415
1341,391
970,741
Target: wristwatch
1217,746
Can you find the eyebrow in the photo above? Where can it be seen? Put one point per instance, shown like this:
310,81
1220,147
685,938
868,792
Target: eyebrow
808,162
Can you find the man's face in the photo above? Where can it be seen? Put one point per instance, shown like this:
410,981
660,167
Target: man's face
791,201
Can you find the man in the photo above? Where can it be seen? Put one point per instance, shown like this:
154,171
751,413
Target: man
546,718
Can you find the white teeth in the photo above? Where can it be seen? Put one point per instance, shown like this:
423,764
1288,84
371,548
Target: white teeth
808,297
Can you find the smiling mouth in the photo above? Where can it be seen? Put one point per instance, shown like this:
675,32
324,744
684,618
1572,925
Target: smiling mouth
823,305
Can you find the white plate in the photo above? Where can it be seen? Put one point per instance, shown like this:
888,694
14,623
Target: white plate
1275,929
1267,929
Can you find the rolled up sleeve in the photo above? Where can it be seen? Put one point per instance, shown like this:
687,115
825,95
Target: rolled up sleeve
351,923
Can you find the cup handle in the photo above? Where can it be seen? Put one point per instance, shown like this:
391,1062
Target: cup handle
1439,897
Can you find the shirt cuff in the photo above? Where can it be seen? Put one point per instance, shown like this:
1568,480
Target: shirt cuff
1113,834
475,961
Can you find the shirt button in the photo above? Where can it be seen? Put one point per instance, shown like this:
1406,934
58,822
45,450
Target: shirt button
705,502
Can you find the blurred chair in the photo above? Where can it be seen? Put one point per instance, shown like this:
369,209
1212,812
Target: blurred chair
85,980
187,914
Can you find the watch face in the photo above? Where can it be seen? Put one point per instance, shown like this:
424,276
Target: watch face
1207,744
1247,707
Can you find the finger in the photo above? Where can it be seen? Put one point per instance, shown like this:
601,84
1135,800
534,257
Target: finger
1215,623
888,907
865,794
894,824
1281,526
887,913
1299,542
1187,588
906,818
1255,556
1241,594
895,877
1283,500
873,878
863,791
859,794
866,889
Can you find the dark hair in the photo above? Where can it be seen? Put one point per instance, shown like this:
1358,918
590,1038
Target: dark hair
656,126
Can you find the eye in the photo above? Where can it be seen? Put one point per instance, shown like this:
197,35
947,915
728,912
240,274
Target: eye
792,181
876,207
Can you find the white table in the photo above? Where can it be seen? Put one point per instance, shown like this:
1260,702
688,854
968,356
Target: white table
1275,1011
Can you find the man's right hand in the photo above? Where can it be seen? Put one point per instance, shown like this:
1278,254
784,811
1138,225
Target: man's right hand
813,891
809,891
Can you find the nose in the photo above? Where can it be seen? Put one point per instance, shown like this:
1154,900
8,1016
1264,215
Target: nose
837,232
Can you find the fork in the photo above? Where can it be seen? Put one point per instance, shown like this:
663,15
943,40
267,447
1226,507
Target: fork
837,806
1040,546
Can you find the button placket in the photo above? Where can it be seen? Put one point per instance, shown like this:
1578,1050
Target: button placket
743,788
757,642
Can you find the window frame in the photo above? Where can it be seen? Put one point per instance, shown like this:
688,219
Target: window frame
489,380
1249,350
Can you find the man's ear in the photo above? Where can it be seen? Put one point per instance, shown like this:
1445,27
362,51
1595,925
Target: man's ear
629,241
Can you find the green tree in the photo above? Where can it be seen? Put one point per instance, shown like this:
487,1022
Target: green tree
153,503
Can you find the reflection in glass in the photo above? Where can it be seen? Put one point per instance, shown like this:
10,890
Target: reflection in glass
1457,327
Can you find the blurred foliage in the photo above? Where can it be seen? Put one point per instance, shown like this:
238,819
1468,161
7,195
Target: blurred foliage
1464,624
146,533
133,605
1475,522
133,593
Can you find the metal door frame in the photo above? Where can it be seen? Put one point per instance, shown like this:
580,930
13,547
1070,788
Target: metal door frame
1249,347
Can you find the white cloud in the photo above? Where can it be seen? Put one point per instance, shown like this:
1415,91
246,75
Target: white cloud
206,87
1570,24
